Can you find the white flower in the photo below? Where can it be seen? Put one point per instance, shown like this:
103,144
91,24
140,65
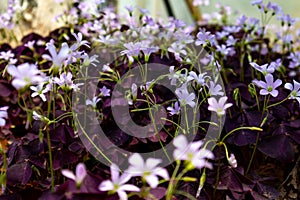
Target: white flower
25,74
78,177
232,161
57,58
39,91
6,55
3,115
201,2
173,76
218,106
191,153
295,90
265,69
117,183
184,96
92,102
148,170
214,89
200,79
64,79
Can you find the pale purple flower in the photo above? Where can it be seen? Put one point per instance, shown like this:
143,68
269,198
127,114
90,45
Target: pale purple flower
129,8
57,58
264,69
268,87
92,102
274,8
89,60
192,153
223,49
231,41
39,91
287,19
148,50
105,92
3,115
132,50
200,78
148,169
117,183
79,42
218,106
204,38
25,74
185,98
177,49
176,110
295,90
108,40
256,2
276,64
241,21
222,34
232,161
215,89
295,59
64,79
173,76
79,175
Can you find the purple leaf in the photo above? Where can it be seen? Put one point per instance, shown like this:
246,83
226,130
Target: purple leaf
19,173
278,147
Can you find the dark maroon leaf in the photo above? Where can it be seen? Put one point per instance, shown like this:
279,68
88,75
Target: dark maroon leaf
5,89
19,173
38,161
229,180
63,157
278,147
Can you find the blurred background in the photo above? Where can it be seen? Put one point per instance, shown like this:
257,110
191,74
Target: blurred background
38,15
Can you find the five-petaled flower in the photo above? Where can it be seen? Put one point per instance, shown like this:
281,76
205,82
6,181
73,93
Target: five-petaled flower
117,183
185,98
218,106
57,58
264,69
295,90
105,92
39,91
147,170
175,110
268,87
194,156
78,177
24,75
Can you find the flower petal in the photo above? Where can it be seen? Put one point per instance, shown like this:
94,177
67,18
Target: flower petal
80,172
69,174
106,186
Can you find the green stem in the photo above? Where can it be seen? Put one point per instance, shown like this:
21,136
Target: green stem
173,179
49,144
241,128
275,104
253,153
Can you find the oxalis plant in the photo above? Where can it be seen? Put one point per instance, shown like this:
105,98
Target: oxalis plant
128,107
